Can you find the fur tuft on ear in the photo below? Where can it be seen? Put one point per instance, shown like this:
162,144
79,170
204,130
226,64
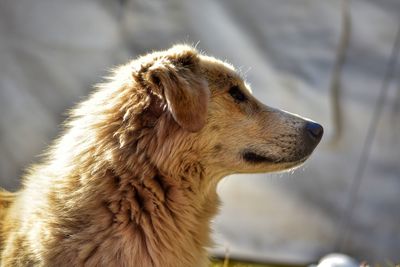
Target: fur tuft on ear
176,74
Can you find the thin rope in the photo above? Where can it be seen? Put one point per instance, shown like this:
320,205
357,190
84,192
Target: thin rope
347,216
335,86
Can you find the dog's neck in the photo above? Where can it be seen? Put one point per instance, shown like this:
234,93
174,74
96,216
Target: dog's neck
171,215
150,218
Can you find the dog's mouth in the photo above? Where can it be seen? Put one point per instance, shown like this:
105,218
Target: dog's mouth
255,157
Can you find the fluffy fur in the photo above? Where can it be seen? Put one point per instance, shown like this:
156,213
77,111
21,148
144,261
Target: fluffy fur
132,179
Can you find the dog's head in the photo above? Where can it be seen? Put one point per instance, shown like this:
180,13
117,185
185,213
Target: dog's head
217,118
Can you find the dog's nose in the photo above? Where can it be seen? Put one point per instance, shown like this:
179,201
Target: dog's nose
314,130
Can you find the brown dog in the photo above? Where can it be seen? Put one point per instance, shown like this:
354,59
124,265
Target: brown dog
132,180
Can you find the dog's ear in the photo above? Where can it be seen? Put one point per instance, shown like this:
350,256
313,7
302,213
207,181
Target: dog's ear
177,76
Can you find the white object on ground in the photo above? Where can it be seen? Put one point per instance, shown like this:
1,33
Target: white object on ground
337,260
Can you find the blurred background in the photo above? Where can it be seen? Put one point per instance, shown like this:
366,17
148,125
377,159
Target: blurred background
325,60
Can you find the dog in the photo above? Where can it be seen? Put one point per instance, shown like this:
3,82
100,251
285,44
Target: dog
132,179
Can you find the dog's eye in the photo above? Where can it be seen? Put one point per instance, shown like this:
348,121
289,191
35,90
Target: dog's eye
237,94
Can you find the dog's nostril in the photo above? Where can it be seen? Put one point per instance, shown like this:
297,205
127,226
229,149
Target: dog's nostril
314,130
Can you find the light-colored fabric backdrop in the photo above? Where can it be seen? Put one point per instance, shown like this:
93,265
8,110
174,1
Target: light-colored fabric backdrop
52,52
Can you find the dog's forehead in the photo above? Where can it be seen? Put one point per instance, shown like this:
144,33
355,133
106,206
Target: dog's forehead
219,72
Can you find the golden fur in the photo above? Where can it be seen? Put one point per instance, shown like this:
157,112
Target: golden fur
132,179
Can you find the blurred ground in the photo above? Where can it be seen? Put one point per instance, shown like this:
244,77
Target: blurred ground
53,51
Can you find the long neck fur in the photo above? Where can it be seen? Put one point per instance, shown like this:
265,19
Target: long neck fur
127,192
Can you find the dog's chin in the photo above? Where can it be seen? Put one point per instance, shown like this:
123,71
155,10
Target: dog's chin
290,165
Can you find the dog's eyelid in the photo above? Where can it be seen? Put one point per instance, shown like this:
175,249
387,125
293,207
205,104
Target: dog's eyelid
237,93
